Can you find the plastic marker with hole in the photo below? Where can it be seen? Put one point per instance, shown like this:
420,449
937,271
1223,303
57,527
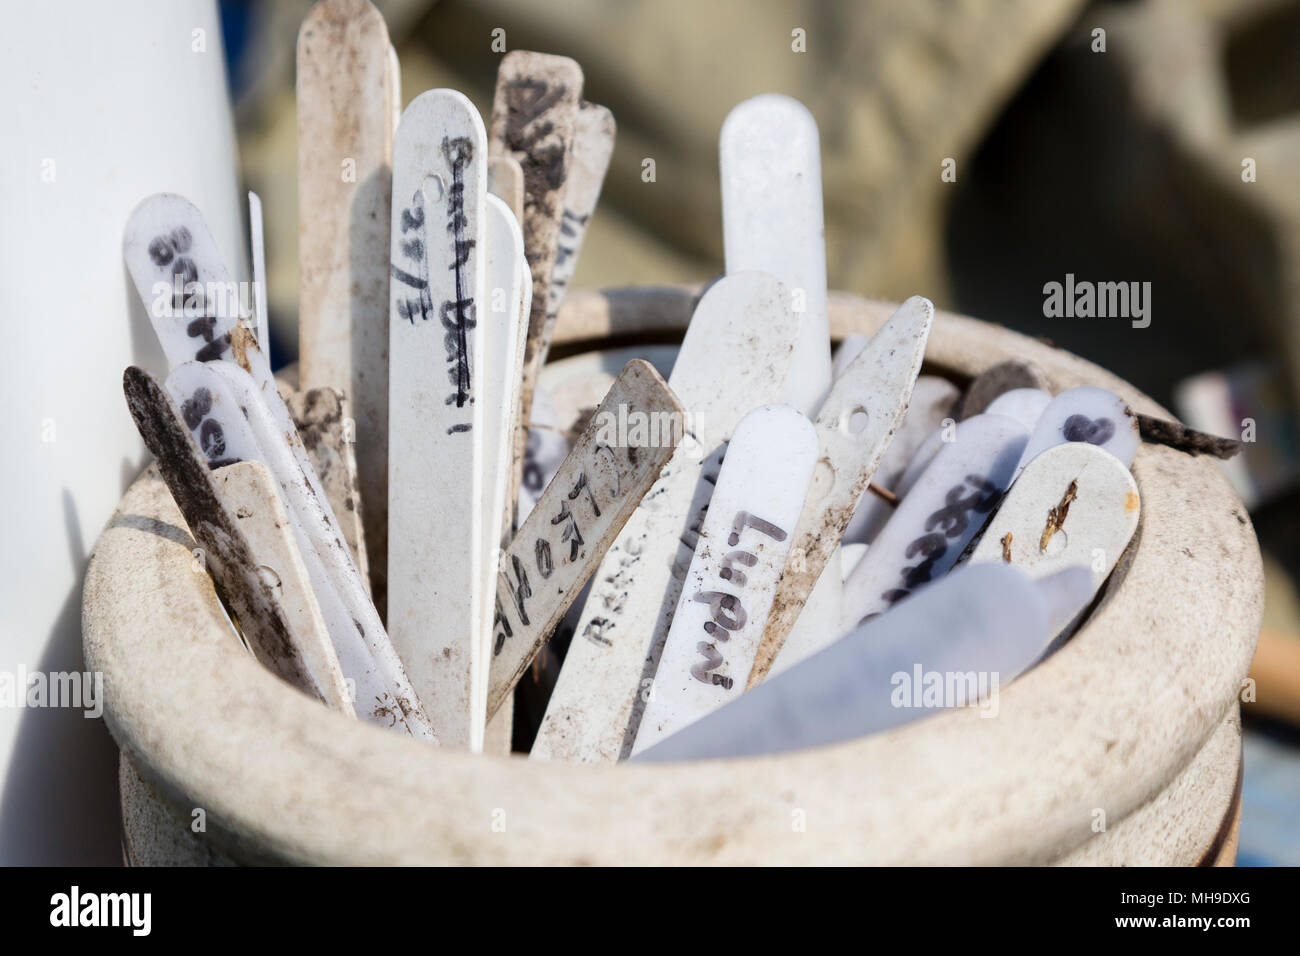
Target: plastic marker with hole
437,326
931,402
984,623
739,558
1075,505
854,427
940,515
735,356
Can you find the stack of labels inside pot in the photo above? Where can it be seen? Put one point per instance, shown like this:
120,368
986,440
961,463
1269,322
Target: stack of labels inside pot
855,425
735,356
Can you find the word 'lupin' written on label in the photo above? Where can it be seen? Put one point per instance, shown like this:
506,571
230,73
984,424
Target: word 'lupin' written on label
727,609
732,580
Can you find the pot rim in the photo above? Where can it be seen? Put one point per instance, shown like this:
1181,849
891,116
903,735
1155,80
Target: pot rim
1106,722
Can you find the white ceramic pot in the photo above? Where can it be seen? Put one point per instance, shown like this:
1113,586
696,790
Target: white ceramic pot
1133,725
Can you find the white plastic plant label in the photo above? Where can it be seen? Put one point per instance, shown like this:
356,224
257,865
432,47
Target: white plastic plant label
738,560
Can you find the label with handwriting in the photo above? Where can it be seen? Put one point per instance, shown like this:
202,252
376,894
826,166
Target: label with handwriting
945,509
534,114
593,147
435,410
735,356
192,301
1085,414
738,560
856,422
573,524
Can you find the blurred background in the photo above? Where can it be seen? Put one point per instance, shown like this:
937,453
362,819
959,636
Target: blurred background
1148,141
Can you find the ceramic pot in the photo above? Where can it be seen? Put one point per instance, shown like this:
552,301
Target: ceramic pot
1121,748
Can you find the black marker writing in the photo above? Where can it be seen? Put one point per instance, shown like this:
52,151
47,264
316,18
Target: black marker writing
208,431
945,524
727,613
458,315
171,250
412,249
1093,431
